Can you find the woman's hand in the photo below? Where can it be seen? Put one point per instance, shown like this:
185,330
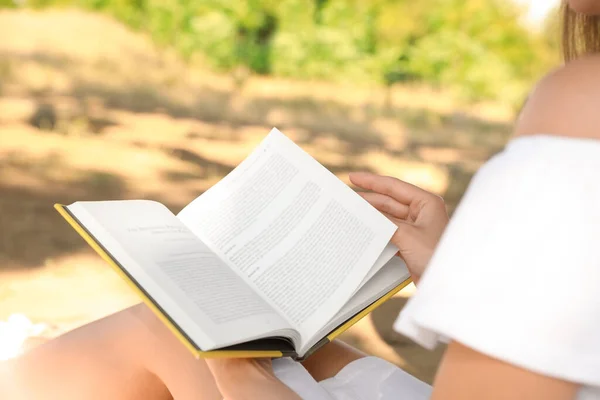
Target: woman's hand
248,379
421,216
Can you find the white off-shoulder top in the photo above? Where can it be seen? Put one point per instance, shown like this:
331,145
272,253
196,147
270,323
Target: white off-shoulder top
516,275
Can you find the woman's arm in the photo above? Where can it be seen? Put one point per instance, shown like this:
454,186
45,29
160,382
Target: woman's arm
468,375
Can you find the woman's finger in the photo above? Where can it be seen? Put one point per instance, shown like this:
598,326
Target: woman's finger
399,190
386,204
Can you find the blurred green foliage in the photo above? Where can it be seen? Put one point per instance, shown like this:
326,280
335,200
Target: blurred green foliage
477,47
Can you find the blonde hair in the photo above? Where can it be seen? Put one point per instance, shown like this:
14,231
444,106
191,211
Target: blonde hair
581,33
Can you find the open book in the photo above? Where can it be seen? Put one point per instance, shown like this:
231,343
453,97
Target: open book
276,259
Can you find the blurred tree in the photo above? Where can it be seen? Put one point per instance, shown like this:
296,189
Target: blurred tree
479,48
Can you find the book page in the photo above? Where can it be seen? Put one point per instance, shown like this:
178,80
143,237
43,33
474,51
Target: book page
388,253
293,230
392,274
189,281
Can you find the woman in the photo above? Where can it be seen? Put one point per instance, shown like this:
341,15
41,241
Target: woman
514,285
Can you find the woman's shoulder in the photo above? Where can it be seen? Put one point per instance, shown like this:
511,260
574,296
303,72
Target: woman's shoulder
566,102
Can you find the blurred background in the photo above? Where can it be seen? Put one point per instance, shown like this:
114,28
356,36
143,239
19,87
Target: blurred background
155,99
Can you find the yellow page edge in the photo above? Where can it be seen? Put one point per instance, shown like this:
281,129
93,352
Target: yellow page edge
197,353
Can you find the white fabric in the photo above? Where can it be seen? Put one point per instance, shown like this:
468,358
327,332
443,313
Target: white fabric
517,273
368,378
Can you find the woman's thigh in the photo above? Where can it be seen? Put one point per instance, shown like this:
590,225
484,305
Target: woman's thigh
129,355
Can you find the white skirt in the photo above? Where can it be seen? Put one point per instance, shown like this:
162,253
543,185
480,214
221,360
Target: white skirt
368,378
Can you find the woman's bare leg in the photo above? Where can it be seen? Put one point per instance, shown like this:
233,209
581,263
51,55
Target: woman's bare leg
129,355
